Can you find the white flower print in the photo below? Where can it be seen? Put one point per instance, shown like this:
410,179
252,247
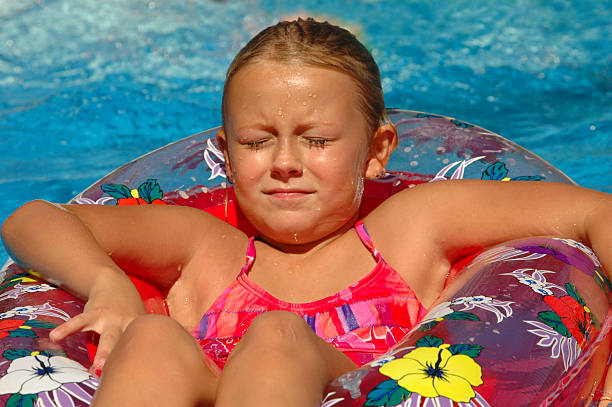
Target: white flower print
438,312
566,347
500,308
33,311
217,169
536,280
459,171
328,401
20,289
504,253
40,373
381,360
416,400
88,201
584,249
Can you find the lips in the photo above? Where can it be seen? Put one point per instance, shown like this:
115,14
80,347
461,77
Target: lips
287,193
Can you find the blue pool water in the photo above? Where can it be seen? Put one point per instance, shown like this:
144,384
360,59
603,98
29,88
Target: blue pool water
86,85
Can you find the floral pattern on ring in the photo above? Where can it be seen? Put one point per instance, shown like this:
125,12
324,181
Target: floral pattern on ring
41,378
147,193
433,370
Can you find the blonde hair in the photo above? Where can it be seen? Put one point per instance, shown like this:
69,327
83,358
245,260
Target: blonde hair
317,44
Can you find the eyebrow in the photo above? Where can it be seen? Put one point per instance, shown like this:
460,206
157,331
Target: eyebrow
302,128
258,126
299,129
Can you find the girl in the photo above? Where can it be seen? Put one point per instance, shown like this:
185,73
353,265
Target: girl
303,125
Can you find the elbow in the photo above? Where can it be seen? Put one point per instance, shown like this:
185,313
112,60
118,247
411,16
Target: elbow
598,231
19,220
600,217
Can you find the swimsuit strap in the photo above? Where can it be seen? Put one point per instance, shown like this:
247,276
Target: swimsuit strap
250,257
367,240
359,228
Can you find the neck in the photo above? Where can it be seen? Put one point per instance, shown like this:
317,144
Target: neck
298,247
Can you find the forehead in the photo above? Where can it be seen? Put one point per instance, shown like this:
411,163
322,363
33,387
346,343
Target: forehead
287,88
291,73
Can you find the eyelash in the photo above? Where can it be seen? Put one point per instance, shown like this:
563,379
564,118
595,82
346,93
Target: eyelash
317,142
255,145
312,142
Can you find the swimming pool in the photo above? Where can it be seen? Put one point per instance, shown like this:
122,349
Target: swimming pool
87,85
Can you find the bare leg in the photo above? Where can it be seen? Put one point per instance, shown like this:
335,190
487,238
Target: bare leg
156,363
280,361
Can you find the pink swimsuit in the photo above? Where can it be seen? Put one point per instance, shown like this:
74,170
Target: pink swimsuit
363,321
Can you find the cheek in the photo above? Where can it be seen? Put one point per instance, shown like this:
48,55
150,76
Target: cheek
357,182
355,165
357,171
345,174
244,166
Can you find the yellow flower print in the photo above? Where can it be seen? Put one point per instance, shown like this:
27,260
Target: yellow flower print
435,371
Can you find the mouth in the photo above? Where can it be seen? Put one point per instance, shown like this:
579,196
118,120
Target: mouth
287,193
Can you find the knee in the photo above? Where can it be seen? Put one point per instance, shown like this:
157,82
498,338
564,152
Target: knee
155,340
278,336
155,354
278,339
151,330
278,330
151,337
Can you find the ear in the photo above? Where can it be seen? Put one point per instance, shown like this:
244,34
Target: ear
382,145
222,142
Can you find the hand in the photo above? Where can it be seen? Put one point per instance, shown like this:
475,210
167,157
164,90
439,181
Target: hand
113,303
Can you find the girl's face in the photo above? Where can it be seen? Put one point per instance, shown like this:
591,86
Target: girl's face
296,147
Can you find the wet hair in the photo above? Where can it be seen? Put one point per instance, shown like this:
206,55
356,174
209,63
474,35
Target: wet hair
318,44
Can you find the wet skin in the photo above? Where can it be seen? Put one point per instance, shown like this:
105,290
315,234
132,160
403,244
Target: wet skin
298,147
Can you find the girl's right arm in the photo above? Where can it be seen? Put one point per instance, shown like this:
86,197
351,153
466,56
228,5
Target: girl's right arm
89,248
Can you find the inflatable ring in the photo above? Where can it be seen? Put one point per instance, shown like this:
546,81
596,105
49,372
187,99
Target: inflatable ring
518,324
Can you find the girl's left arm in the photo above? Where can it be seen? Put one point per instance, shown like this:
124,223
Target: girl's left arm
424,230
438,221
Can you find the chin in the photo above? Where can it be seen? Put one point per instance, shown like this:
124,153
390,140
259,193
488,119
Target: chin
292,231
289,233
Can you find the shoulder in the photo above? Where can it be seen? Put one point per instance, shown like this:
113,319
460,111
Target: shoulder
411,228
212,241
425,229
215,255
161,241
401,230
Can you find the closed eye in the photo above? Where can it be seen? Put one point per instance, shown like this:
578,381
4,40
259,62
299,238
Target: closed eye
317,142
255,145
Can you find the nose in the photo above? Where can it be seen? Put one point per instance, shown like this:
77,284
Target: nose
287,162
